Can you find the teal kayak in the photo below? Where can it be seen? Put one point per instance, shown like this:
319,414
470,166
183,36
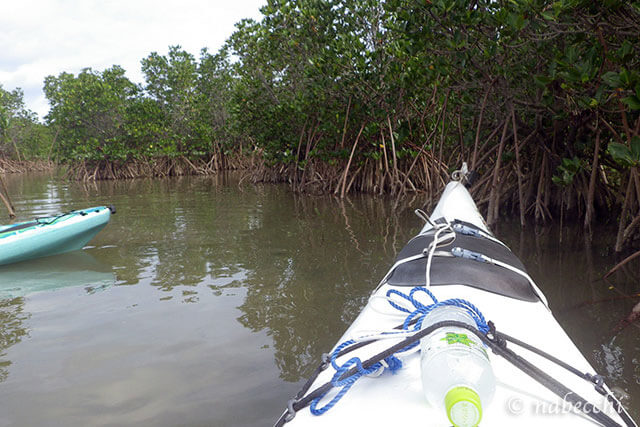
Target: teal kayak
66,232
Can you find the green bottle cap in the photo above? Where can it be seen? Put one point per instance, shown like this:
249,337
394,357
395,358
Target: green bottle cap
463,407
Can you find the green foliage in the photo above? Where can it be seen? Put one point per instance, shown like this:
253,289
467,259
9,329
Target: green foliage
89,112
298,85
181,111
567,171
626,155
22,137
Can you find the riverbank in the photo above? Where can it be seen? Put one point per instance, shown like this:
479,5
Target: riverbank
535,197
25,166
155,167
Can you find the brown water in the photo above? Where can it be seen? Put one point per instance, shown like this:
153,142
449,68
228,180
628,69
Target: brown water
208,303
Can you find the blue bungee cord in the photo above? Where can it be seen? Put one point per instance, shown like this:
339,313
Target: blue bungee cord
412,323
347,382
422,310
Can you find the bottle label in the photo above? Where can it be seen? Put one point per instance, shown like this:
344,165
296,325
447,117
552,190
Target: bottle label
453,338
444,338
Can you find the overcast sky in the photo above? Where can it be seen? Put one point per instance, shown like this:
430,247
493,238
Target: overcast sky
46,37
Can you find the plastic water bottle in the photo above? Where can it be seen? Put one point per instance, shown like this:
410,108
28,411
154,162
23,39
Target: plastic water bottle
456,372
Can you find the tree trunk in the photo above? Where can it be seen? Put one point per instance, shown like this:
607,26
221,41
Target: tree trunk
589,213
518,167
346,170
623,215
4,195
494,196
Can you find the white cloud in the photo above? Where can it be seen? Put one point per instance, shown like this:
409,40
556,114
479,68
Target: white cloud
46,37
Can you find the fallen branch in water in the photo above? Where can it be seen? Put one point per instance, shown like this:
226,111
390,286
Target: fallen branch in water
622,263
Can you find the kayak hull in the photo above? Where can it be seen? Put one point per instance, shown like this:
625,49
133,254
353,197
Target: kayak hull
52,236
397,398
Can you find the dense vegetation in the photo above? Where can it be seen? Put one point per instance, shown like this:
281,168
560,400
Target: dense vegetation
112,128
541,98
22,138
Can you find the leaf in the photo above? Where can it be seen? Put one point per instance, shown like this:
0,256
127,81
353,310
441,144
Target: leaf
621,154
612,79
632,101
548,16
571,53
624,50
568,170
625,77
542,80
635,148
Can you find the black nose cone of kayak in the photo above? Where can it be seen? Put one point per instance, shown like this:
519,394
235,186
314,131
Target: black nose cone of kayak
112,209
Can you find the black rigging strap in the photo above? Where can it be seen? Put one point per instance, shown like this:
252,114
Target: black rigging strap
495,340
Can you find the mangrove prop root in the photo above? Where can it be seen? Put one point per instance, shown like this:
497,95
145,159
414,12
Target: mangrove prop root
156,167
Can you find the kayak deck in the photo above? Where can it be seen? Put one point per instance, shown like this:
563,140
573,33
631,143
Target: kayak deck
393,398
54,235
519,400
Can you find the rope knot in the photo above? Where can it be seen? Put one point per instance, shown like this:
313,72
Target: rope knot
350,371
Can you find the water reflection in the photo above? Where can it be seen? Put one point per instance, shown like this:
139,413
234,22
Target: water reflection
307,264
310,271
20,280
297,269
12,329
55,272
588,307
